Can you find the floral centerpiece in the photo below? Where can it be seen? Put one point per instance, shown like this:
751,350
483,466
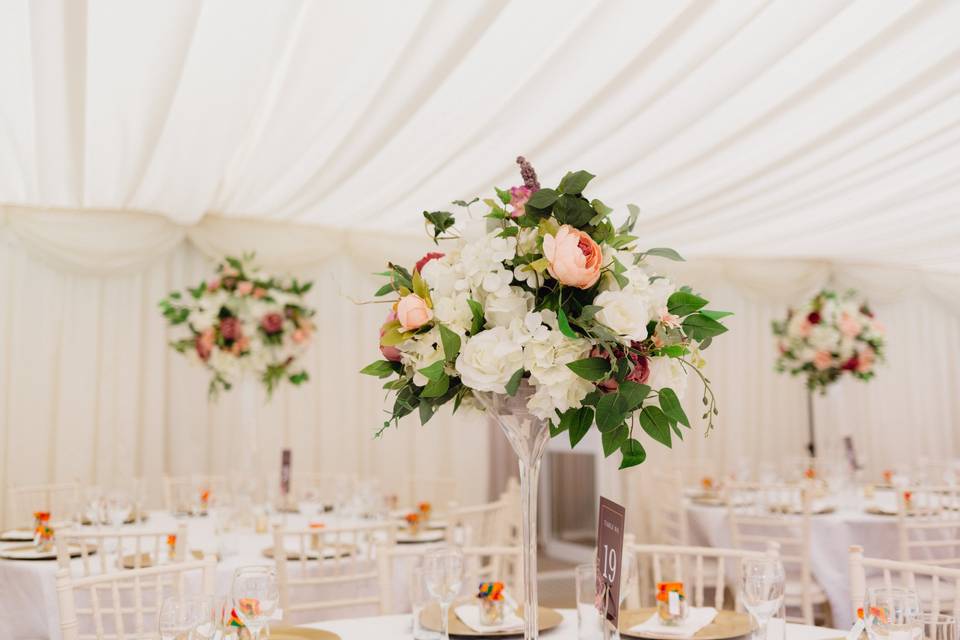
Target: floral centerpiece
549,317
830,335
243,320
556,296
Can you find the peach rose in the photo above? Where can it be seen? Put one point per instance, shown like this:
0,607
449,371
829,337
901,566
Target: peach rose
865,360
213,284
413,312
822,360
204,344
244,288
575,259
259,292
300,336
849,326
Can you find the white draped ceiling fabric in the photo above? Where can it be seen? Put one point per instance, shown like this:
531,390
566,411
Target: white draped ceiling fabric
780,145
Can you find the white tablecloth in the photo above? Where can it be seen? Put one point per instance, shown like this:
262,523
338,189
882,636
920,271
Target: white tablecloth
831,535
399,628
28,600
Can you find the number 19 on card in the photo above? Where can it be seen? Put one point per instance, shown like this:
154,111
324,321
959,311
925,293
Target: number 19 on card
609,572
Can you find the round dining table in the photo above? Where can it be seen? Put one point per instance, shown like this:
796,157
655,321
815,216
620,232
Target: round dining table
399,627
831,534
28,597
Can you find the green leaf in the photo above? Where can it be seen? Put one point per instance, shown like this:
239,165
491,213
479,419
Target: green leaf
441,221
614,439
612,410
384,290
580,424
298,378
664,252
656,424
671,406
574,183
508,232
451,343
621,240
630,223
420,286
426,412
700,327
633,453
602,211
716,315
464,203
379,368
436,387
564,325
393,336
543,199
676,430
573,210
592,369
588,312
681,303
434,371
503,194
477,309
559,427
674,351
633,393
514,382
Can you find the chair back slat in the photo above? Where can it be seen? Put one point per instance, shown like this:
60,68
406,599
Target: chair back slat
928,524
62,500
930,581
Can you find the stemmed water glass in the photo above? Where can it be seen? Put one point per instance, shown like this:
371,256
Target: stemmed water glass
938,626
762,583
186,617
892,612
443,575
255,596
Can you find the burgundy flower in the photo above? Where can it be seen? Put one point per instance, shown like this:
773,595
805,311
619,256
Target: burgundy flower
528,174
433,255
640,372
272,323
813,317
230,328
851,364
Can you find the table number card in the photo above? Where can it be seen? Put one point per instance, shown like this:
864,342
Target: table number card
285,473
610,527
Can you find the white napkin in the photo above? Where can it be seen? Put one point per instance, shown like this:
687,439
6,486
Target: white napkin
469,614
697,618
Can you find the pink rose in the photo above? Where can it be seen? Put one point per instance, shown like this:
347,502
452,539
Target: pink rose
849,326
804,329
240,345
575,259
822,360
433,255
300,336
413,312
390,353
518,200
244,288
865,360
230,328
259,292
213,284
204,344
272,323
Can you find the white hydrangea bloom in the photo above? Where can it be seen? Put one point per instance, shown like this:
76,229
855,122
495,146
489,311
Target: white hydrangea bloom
824,337
507,305
421,351
454,312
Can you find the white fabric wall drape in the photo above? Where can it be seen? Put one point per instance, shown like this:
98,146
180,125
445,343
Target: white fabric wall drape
90,391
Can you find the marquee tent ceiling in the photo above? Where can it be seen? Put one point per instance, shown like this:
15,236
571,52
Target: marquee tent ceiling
818,129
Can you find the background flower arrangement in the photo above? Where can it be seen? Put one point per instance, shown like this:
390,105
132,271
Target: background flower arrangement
242,321
828,336
552,295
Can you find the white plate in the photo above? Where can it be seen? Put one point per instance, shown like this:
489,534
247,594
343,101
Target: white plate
329,553
423,537
17,535
32,553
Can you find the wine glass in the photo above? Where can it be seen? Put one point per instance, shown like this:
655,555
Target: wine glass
190,617
118,507
762,583
255,596
311,503
443,575
628,575
892,612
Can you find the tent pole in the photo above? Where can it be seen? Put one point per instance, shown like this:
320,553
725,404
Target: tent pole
811,445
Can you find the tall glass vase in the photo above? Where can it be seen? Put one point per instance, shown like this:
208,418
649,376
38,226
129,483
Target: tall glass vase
528,435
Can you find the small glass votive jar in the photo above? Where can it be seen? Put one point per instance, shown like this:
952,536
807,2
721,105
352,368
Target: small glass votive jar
672,606
491,612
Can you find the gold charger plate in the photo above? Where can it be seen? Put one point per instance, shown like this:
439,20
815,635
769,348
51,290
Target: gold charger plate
709,501
301,633
430,619
329,553
30,553
727,624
